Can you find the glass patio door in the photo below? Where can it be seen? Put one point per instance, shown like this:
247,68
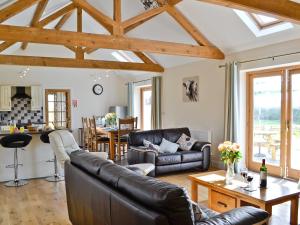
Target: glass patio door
293,150
265,116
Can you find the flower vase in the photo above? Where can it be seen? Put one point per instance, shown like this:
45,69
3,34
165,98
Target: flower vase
230,173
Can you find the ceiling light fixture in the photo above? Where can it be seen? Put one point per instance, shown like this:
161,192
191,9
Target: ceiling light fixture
151,4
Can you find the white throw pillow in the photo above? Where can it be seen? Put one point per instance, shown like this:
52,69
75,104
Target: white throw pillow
168,147
185,142
150,145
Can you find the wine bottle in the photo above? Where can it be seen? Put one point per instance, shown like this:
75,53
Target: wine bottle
263,174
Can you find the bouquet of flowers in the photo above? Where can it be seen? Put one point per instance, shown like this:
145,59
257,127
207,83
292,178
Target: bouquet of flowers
230,152
111,119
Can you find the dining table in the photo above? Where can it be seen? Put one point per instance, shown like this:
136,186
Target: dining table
112,133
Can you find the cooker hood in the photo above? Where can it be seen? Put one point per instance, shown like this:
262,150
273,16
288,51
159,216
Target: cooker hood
20,93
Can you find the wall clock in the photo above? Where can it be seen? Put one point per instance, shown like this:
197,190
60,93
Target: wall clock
98,89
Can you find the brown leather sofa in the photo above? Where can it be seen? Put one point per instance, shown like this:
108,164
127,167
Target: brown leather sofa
197,158
102,193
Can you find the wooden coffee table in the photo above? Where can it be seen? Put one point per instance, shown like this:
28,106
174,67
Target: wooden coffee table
222,197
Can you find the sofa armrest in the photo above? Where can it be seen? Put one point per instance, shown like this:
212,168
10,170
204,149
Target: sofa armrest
141,155
200,146
205,148
240,216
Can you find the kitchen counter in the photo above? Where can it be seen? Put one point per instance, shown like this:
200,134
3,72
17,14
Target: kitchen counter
5,133
35,159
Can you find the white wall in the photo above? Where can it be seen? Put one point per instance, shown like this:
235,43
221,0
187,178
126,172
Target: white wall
78,81
208,113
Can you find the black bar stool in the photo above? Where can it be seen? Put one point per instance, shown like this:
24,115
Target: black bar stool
16,141
55,178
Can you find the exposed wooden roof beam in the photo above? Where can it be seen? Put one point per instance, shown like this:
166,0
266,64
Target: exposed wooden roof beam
76,63
90,50
15,8
135,21
143,57
6,44
70,7
36,17
101,18
63,20
188,26
44,36
281,9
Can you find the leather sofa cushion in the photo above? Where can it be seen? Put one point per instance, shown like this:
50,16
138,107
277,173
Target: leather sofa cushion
191,156
156,136
111,174
174,134
168,159
160,196
137,138
88,162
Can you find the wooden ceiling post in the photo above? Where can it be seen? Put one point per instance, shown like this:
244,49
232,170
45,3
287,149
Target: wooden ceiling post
117,30
79,52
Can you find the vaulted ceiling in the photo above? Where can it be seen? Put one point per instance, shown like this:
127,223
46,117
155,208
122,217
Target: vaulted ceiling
190,22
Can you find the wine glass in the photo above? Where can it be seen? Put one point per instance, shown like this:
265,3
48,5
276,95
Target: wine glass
244,173
249,179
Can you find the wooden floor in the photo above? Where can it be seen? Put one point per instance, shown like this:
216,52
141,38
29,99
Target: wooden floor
44,203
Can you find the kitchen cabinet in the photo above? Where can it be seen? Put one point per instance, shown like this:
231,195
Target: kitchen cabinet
36,98
5,98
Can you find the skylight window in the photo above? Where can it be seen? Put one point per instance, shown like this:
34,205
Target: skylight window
262,25
122,56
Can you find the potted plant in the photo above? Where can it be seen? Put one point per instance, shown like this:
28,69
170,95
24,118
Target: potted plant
230,154
111,119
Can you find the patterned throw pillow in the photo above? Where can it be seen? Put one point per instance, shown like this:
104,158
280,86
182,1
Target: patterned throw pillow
199,215
185,142
150,145
196,212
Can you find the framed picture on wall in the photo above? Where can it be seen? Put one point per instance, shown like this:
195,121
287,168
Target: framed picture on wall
190,91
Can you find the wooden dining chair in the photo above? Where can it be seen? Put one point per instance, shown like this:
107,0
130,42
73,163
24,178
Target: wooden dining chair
125,127
98,139
87,141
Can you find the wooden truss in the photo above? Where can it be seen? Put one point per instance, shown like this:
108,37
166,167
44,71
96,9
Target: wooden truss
84,43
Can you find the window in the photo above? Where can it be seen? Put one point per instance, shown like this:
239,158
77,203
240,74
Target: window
262,25
146,94
274,121
264,21
58,108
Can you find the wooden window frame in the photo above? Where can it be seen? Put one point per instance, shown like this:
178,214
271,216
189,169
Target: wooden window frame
68,106
142,90
291,173
274,170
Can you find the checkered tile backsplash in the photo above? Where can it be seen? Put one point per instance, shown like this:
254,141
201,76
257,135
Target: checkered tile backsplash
21,112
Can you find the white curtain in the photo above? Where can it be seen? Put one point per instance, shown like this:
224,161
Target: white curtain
130,98
156,103
232,94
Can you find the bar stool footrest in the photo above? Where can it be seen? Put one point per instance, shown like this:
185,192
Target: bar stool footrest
55,178
17,183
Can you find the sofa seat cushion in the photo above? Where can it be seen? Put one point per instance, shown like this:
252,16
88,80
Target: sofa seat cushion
168,159
191,156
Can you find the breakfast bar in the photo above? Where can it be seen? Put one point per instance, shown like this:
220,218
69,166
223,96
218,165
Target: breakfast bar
36,159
